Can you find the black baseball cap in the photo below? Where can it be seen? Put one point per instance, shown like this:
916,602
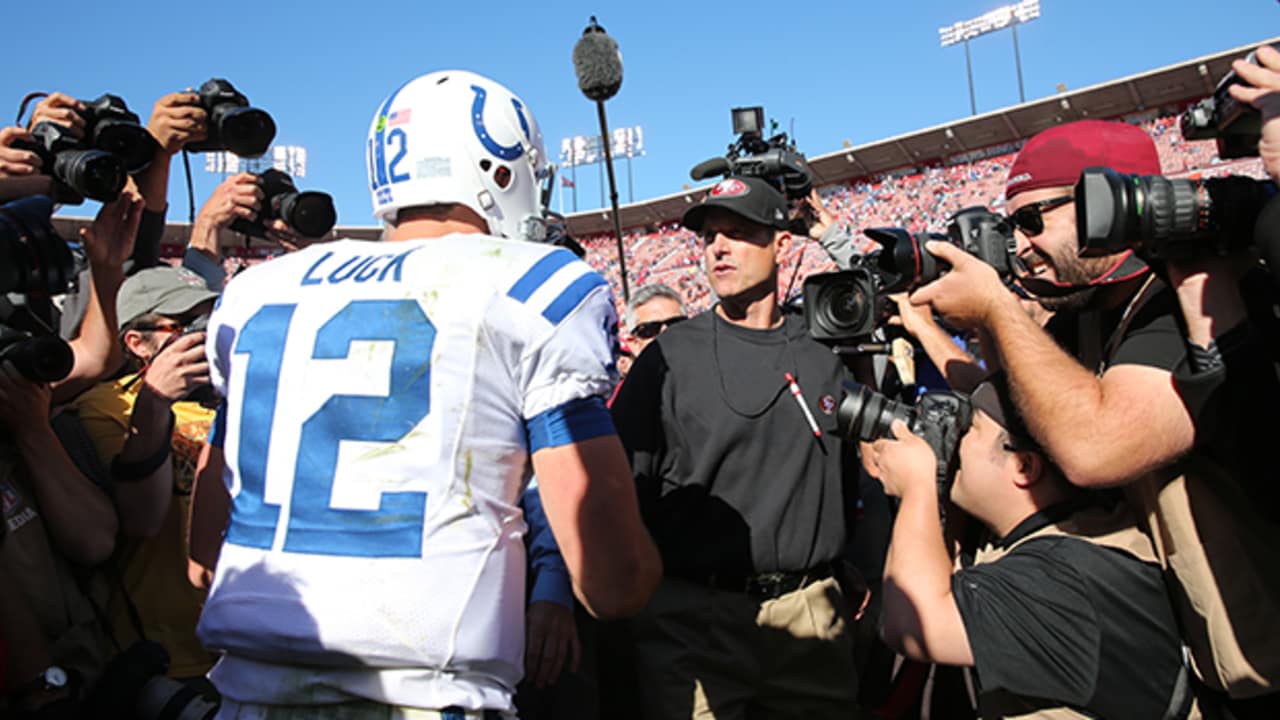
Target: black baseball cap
749,197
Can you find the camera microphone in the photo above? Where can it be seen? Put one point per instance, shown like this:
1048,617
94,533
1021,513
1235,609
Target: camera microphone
707,168
598,63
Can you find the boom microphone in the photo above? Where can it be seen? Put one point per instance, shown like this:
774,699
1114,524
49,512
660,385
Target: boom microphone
707,168
598,63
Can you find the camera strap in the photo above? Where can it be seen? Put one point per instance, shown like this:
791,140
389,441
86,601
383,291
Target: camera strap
1148,290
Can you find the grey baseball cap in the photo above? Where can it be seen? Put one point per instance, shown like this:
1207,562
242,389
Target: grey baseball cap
163,290
750,197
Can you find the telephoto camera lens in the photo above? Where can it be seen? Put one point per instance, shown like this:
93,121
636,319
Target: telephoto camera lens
1163,217
43,358
904,263
866,415
245,131
233,125
93,173
309,213
110,126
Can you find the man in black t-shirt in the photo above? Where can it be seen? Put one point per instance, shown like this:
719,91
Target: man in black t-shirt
728,419
1065,612
1097,390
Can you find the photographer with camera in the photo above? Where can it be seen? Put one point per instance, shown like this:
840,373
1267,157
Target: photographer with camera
148,427
1064,610
239,197
176,120
58,519
727,420
1097,389
1228,306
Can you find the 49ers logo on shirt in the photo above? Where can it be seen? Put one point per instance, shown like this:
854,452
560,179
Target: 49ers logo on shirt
730,188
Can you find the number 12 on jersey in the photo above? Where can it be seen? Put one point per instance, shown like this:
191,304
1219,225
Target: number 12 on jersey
313,526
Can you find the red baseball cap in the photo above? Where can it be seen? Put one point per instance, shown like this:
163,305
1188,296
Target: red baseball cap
1057,156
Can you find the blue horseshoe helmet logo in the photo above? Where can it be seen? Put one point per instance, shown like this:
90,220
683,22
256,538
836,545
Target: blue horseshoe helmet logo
505,152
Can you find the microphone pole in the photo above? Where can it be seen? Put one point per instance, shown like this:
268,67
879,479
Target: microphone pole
599,68
613,199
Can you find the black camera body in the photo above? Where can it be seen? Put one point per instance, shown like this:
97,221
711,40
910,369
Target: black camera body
111,127
232,124
904,264
774,159
205,395
1163,218
78,171
848,305
1235,125
310,214
35,264
941,417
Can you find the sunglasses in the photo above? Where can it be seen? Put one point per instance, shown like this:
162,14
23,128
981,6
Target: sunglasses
649,330
1030,218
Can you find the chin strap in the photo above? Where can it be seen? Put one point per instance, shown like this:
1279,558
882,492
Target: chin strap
1127,267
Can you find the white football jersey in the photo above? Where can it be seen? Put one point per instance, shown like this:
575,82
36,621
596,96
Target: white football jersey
375,445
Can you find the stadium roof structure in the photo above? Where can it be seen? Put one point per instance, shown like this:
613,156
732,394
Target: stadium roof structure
956,141
949,142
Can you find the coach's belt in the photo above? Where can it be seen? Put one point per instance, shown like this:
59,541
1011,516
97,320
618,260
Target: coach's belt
765,586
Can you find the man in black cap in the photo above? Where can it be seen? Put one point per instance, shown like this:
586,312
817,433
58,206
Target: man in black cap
728,419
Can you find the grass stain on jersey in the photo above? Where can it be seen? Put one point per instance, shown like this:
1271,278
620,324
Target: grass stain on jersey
467,501
381,452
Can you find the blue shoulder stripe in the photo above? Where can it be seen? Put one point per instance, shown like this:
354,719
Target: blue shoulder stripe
572,297
541,271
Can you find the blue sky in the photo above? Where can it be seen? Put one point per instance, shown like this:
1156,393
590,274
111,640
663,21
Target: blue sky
856,71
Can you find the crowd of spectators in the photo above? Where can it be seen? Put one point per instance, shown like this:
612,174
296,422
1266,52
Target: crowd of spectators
919,200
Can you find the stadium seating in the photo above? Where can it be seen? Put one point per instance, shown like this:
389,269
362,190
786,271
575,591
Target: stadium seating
918,201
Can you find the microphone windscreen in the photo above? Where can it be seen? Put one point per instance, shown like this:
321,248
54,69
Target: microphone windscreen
598,64
707,168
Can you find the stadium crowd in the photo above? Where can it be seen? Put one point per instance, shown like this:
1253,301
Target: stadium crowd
1080,528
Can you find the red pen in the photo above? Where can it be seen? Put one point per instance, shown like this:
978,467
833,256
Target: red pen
804,407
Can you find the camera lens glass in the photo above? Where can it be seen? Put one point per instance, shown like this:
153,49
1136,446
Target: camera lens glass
92,173
311,214
247,132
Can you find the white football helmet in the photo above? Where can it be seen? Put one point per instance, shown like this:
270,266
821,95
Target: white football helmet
457,137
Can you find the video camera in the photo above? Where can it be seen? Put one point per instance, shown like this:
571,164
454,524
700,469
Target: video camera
1163,218
35,264
774,159
1235,125
232,125
848,305
941,417
310,213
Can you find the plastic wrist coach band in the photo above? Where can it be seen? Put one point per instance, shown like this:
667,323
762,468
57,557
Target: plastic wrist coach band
139,469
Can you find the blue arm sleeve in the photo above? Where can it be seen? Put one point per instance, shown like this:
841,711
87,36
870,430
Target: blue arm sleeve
572,422
549,577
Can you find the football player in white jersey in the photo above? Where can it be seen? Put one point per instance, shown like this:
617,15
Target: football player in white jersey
385,405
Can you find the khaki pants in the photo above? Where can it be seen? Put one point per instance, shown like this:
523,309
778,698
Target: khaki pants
707,653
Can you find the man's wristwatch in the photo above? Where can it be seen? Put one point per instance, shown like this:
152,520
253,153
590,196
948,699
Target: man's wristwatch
52,679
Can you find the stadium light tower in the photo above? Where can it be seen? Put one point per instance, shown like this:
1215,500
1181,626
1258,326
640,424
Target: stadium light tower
1007,16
